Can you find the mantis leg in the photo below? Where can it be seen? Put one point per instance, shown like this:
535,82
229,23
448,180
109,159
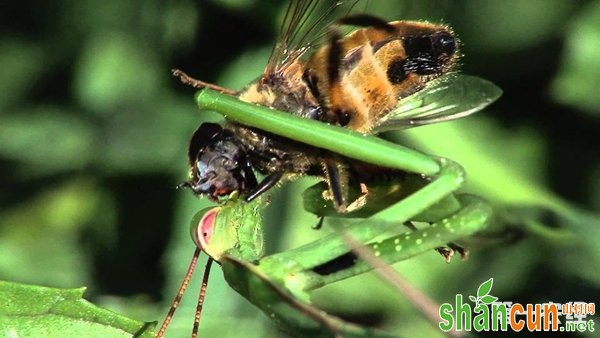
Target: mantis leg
279,284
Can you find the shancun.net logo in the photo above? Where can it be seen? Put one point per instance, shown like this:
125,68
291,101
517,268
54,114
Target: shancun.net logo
487,314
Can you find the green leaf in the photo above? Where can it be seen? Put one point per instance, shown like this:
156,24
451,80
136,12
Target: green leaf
36,311
485,288
488,299
473,299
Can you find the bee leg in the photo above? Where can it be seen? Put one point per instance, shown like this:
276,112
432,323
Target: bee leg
337,181
249,176
267,183
360,201
448,250
464,252
188,80
319,224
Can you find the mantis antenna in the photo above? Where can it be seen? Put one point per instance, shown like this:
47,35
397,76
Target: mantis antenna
184,284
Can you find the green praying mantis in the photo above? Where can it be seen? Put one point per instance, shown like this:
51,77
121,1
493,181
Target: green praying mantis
280,284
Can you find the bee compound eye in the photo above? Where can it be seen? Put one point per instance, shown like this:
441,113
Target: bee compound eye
202,168
202,137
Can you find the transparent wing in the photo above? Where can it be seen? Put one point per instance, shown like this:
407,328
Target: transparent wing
448,98
303,27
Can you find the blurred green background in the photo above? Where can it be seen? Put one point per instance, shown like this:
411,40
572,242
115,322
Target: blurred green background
94,132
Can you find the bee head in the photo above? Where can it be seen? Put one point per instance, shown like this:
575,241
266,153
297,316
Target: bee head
218,163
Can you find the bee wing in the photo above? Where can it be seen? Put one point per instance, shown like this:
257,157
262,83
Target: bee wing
450,97
303,27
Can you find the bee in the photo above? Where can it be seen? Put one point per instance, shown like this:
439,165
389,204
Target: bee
359,81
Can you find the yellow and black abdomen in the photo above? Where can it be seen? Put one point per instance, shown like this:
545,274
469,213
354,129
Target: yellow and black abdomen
379,67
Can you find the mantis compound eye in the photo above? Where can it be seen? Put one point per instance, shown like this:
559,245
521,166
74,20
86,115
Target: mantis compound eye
211,233
202,227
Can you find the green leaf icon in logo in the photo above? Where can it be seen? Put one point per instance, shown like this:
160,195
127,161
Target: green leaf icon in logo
485,288
483,298
487,299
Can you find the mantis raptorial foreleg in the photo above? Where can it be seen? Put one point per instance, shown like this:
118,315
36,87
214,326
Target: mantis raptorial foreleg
279,284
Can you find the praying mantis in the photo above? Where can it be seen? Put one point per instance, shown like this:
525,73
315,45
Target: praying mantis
279,284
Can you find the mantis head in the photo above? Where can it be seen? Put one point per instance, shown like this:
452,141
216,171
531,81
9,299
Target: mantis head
214,240
234,226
